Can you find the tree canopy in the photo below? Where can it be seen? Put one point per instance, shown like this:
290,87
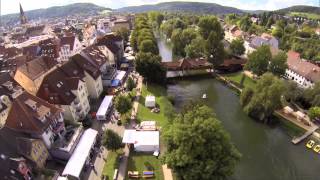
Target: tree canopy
278,64
214,49
123,104
198,146
237,47
265,98
258,60
149,66
314,113
111,140
207,24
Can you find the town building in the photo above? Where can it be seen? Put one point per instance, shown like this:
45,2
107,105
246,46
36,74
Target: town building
304,73
69,46
9,89
37,118
34,150
233,32
115,46
31,74
256,41
119,24
69,93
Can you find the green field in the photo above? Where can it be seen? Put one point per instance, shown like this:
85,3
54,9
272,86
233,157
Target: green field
162,101
112,163
236,78
145,162
306,15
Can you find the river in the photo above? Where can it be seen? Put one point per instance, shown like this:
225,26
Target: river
267,152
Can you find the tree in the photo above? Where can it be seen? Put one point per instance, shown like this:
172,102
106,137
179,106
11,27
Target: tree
293,92
245,23
265,98
312,95
130,84
210,24
123,33
112,141
181,38
148,46
214,49
196,48
198,146
258,60
314,113
237,47
278,64
123,104
149,66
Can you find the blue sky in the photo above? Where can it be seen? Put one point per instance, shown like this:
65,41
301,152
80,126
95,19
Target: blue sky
12,6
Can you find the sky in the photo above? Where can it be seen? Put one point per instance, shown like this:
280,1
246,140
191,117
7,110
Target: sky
12,6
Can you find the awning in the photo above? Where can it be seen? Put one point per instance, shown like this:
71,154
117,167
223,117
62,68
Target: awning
80,154
120,75
115,83
141,138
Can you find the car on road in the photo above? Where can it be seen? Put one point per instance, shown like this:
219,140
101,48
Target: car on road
316,148
310,144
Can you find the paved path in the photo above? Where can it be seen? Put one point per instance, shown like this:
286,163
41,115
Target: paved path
124,161
167,172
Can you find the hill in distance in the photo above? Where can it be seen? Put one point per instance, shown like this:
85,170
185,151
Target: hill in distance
56,11
301,9
179,6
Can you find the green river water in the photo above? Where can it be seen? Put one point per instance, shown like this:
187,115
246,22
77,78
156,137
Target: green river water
267,152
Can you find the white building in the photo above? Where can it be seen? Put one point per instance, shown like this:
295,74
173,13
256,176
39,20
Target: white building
69,46
70,93
304,73
143,141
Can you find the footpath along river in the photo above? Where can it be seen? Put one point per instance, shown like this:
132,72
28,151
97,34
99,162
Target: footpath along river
267,152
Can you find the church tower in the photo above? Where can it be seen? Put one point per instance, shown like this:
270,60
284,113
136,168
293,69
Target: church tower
23,18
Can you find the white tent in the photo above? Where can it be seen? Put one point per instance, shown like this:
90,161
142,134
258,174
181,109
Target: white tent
104,108
150,101
143,141
80,154
120,75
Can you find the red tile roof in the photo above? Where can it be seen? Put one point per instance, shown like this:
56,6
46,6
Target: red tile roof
303,67
23,118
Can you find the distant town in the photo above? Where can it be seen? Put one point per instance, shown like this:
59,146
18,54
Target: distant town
160,94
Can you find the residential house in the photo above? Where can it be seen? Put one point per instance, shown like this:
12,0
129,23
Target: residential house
9,89
115,46
36,117
87,67
34,31
34,150
254,42
233,33
69,93
31,74
121,23
50,48
304,73
69,46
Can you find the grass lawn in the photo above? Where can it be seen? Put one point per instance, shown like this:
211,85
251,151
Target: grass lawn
160,93
236,78
144,162
111,163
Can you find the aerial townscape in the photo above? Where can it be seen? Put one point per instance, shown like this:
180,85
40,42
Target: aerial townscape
159,90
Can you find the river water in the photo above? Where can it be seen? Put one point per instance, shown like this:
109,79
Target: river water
267,152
